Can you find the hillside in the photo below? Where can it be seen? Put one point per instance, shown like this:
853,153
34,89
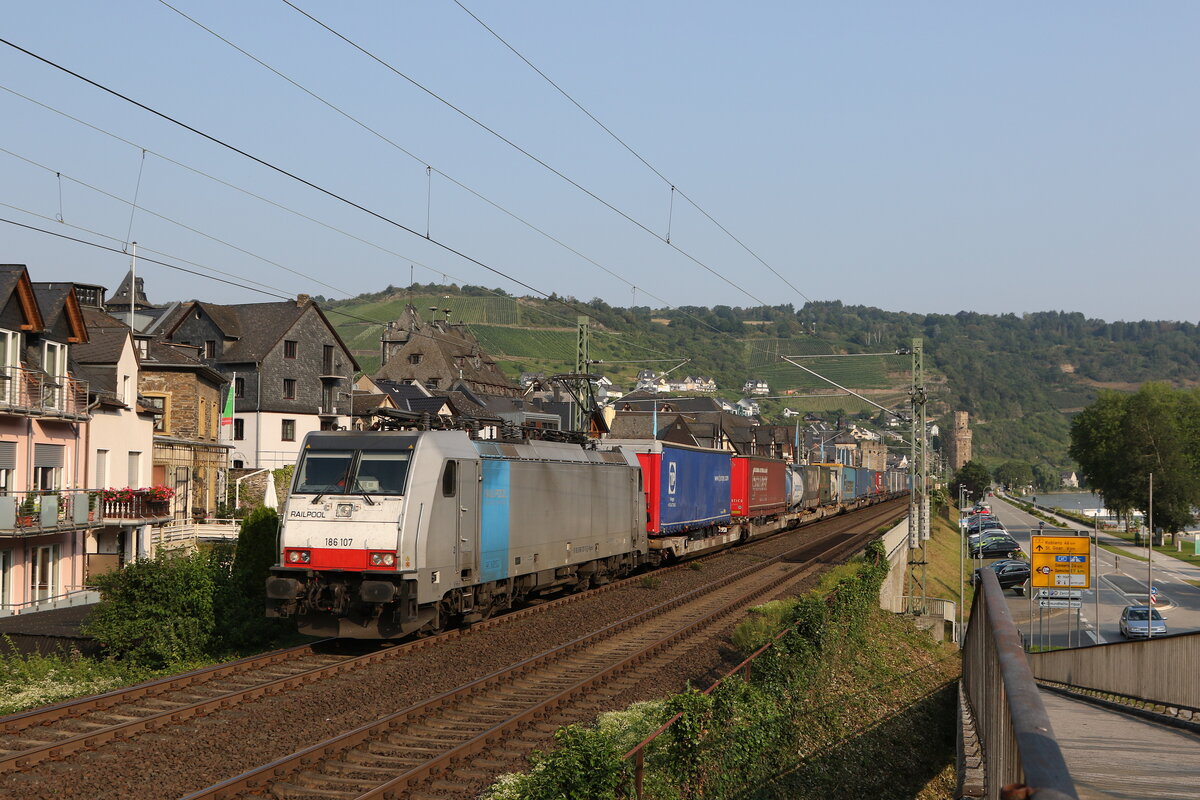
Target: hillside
1019,377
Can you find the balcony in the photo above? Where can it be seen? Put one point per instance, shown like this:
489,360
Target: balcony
31,392
39,512
35,513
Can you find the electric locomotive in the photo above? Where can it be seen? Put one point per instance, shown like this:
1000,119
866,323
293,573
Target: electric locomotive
389,533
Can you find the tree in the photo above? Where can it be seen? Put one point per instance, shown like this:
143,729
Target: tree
1014,473
974,477
1121,440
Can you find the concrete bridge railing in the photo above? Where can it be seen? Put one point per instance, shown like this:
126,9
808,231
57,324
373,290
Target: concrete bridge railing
1155,670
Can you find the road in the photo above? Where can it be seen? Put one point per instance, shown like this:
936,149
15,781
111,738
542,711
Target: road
1122,582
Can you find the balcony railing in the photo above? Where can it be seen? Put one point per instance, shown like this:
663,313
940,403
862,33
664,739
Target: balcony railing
33,392
35,512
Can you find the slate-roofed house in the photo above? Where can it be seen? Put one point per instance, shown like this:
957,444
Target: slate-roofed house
438,354
291,372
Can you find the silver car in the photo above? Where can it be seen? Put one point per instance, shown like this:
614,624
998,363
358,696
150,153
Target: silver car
1140,622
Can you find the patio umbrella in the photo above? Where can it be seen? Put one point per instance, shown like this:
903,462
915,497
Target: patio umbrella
270,497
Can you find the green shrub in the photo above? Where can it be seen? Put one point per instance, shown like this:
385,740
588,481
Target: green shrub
241,597
156,612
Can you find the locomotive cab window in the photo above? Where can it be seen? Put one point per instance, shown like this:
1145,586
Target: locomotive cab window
381,472
450,479
323,472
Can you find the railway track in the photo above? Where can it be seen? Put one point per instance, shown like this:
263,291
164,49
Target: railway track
444,745
87,724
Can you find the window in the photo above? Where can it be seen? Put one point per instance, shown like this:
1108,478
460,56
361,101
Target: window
54,362
239,464
43,572
8,465
135,468
432,383
288,430
289,348
450,479
143,347
210,348
289,388
327,399
10,359
414,358
5,568
101,478
158,404
48,460
239,387
239,429
327,360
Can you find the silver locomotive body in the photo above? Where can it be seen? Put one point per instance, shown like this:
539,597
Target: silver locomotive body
389,533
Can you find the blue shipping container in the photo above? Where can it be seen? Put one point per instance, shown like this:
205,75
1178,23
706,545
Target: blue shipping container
849,490
693,489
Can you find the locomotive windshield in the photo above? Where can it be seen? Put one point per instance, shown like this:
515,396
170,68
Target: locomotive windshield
351,472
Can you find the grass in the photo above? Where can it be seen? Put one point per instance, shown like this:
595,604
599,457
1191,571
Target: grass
943,554
29,681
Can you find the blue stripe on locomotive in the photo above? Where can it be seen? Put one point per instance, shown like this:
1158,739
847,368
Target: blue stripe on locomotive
493,521
693,489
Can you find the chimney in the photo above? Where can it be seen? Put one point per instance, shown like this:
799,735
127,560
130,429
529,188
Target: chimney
302,300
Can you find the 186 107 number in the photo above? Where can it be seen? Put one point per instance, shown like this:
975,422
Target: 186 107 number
331,541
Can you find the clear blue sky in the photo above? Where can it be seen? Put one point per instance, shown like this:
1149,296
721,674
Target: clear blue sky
926,157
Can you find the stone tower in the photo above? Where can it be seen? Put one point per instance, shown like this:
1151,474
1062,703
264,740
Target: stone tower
958,443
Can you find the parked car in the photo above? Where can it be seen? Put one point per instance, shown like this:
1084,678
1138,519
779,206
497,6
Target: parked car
999,547
1011,572
1140,622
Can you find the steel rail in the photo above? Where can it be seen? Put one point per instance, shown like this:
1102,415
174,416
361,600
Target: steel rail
92,739
256,779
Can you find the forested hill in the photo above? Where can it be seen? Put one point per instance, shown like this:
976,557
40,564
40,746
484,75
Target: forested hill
1018,376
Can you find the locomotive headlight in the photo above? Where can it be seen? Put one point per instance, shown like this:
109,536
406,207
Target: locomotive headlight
298,556
383,559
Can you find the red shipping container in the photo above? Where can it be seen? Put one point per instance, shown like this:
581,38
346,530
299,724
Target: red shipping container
758,486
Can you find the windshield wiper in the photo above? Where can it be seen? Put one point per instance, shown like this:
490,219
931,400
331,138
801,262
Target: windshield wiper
326,491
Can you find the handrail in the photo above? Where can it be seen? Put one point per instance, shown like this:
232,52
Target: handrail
1018,741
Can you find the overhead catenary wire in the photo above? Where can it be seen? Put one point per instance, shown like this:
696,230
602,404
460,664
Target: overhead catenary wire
293,176
194,170
632,151
429,168
523,151
316,187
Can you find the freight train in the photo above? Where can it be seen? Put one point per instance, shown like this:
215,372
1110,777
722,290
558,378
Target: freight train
390,533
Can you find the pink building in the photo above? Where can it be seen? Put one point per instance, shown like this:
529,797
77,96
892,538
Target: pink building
44,515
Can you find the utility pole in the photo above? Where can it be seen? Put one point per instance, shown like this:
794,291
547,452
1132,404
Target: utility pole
582,365
918,501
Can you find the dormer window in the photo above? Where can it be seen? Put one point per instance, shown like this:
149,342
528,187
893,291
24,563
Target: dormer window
414,358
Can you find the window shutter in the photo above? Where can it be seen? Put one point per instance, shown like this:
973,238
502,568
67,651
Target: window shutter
48,455
8,455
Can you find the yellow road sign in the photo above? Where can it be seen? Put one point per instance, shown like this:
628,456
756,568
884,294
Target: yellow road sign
1060,561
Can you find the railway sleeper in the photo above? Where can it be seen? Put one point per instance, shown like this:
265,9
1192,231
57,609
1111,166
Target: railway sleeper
286,790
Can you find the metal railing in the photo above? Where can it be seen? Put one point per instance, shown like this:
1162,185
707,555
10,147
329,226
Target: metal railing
1017,741
73,596
34,393
38,511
